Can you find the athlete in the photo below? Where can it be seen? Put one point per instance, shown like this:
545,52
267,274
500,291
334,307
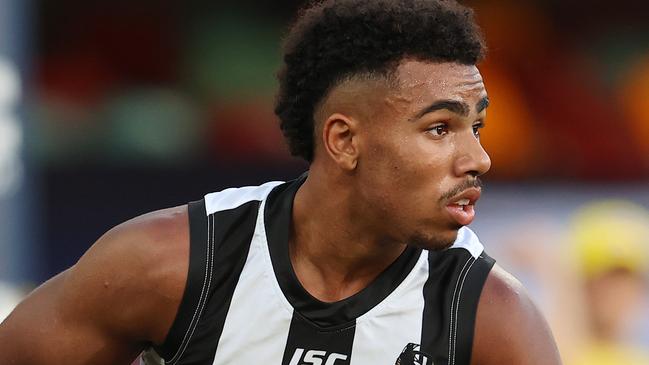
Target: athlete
363,260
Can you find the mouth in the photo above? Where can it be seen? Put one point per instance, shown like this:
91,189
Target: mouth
461,208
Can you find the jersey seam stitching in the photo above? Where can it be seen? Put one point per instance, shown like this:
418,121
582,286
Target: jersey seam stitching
202,298
453,299
457,309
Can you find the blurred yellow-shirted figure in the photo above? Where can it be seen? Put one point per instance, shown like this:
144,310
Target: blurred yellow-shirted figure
611,247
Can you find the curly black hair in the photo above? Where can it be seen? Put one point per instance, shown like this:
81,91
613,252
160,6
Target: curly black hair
333,40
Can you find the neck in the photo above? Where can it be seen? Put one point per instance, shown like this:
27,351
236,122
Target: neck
334,252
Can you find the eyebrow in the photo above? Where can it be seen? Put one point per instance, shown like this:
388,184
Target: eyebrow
453,106
482,104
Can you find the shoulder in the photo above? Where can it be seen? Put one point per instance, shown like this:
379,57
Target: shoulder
134,276
509,327
145,245
158,235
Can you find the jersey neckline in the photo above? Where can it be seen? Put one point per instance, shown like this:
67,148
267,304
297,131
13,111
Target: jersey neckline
277,217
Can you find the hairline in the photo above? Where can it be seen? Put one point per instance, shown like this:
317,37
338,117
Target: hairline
389,76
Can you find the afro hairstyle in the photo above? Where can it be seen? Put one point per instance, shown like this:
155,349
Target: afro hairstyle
334,40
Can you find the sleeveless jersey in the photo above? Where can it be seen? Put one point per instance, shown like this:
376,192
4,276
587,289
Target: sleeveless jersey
243,303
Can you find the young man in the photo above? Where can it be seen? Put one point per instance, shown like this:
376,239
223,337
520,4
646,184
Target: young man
363,261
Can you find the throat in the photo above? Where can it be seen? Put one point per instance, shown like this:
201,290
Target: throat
331,251
327,289
335,275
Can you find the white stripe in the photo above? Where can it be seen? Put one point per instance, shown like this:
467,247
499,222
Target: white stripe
257,323
386,329
235,197
469,241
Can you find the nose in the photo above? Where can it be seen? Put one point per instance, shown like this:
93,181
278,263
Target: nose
472,159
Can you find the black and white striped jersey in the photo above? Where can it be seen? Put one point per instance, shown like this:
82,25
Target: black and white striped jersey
243,304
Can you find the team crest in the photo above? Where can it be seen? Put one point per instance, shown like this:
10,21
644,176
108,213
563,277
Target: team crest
411,355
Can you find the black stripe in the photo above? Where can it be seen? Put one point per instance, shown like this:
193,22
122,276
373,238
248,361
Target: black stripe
233,232
307,344
197,251
455,303
451,294
230,234
468,304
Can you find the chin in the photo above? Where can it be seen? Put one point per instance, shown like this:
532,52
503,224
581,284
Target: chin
437,241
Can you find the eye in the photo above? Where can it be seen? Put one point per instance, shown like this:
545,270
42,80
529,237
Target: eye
438,130
477,127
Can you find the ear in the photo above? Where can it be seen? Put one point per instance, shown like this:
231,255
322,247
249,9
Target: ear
341,141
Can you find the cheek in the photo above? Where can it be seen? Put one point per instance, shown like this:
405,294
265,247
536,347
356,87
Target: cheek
390,162
406,170
381,173
425,165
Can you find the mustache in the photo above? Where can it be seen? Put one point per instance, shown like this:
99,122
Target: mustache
467,184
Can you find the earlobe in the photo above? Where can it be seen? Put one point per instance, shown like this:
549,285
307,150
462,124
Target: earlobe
340,140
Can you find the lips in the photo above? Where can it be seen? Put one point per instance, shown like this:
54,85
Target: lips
461,208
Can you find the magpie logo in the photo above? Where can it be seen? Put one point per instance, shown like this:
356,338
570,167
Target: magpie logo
316,357
411,355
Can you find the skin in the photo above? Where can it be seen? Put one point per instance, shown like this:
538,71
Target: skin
382,176
388,171
385,168
122,295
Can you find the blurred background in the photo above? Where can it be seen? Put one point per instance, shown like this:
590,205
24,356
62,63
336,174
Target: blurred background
109,109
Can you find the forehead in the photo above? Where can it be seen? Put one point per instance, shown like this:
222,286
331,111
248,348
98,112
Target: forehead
422,81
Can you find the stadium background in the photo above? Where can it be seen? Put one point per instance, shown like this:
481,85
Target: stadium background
110,109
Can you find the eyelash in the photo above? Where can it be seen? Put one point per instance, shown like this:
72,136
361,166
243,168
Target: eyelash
436,129
476,129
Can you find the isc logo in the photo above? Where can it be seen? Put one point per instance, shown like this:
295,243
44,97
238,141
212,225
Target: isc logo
315,357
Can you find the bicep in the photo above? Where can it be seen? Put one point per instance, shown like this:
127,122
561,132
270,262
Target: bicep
50,328
509,327
121,296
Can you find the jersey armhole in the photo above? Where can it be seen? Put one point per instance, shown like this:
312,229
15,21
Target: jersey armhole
468,306
187,315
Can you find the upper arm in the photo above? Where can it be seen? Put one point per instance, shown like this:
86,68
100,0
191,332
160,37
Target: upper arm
122,295
509,327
